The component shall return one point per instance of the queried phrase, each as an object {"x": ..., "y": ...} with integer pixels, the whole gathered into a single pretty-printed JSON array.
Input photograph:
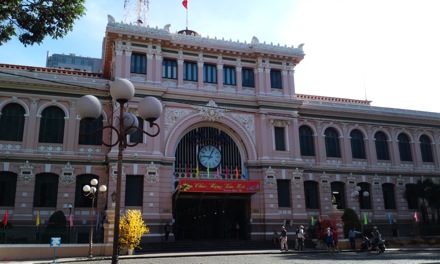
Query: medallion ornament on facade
[
  {"x": 297, "y": 178},
  {"x": 325, "y": 182},
  {"x": 67, "y": 176},
  {"x": 152, "y": 175},
  {"x": 26, "y": 172},
  {"x": 269, "y": 178},
  {"x": 211, "y": 111}
]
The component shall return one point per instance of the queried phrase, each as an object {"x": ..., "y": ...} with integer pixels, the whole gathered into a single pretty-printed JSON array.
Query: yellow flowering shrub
[{"x": 131, "y": 229}]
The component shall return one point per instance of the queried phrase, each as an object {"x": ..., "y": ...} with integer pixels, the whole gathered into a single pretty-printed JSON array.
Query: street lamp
[
  {"x": 149, "y": 108},
  {"x": 92, "y": 192},
  {"x": 358, "y": 194}
]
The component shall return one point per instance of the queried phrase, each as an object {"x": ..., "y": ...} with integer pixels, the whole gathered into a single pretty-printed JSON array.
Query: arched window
[
  {"x": 425, "y": 148},
  {"x": 404, "y": 147},
  {"x": 381, "y": 142},
  {"x": 52, "y": 125},
  {"x": 90, "y": 132},
  {"x": 389, "y": 198},
  {"x": 311, "y": 194},
  {"x": 338, "y": 192},
  {"x": 46, "y": 190},
  {"x": 364, "y": 200},
  {"x": 194, "y": 140},
  {"x": 357, "y": 144},
  {"x": 12, "y": 122},
  {"x": 8, "y": 184},
  {"x": 306, "y": 141},
  {"x": 332, "y": 143},
  {"x": 138, "y": 136},
  {"x": 411, "y": 196}
]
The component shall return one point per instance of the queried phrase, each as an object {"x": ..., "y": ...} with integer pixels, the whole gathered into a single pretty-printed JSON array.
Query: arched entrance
[{"x": 212, "y": 189}]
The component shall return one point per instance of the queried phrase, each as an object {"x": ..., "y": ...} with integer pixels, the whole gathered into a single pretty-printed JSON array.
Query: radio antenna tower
[{"x": 136, "y": 12}]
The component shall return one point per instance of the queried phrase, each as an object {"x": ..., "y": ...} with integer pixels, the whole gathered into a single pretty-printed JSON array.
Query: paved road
[{"x": 264, "y": 257}]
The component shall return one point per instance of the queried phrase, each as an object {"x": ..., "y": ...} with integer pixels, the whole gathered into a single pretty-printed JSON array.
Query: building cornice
[{"x": 150, "y": 33}]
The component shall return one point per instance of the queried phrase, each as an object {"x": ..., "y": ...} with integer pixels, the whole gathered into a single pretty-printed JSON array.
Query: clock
[{"x": 210, "y": 156}]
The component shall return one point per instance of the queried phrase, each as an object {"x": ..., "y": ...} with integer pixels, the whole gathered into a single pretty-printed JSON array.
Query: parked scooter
[{"x": 367, "y": 245}]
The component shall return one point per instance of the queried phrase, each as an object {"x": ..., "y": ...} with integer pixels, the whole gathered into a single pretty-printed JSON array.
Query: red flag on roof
[{"x": 185, "y": 3}]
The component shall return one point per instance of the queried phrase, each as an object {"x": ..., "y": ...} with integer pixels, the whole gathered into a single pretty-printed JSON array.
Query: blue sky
[{"x": 386, "y": 51}]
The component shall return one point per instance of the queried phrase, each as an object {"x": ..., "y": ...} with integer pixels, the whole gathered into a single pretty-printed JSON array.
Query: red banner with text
[{"x": 218, "y": 186}]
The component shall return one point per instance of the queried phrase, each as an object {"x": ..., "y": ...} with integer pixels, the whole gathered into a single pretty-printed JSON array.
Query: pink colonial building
[{"x": 239, "y": 152}]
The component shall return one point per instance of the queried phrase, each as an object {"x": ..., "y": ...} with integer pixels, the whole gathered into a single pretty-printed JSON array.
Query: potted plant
[{"x": 131, "y": 229}]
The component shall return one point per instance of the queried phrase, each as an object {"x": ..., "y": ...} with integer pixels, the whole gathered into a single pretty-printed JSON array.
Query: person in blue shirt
[{"x": 352, "y": 237}]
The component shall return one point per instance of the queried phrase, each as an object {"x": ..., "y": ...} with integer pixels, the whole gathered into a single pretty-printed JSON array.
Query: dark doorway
[{"x": 208, "y": 218}]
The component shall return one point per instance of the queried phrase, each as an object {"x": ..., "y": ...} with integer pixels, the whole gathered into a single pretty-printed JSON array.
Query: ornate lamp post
[
  {"x": 358, "y": 194},
  {"x": 149, "y": 108},
  {"x": 92, "y": 192}
]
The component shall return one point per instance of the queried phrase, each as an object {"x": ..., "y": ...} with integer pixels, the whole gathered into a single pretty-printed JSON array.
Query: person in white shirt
[{"x": 301, "y": 237}]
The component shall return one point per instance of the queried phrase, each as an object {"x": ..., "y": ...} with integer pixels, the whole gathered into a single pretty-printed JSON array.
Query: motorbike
[{"x": 367, "y": 245}]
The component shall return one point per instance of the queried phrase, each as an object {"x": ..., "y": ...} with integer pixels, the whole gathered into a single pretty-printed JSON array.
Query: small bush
[
  {"x": 350, "y": 219},
  {"x": 131, "y": 229}
]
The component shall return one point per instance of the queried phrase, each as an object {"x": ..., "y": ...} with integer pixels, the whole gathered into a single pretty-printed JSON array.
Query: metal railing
[{"x": 42, "y": 235}]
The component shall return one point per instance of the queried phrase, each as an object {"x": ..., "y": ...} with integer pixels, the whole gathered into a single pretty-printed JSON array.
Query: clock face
[{"x": 210, "y": 156}]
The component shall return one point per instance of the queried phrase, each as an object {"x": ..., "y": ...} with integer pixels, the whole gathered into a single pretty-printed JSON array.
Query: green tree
[
  {"x": 33, "y": 20},
  {"x": 56, "y": 226},
  {"x": 428, "y": 193},
  {"x": 350, "y": 219}
]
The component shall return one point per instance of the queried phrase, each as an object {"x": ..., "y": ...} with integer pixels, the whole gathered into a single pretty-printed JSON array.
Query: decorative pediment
[
  {"x": 269, "y": 178},
  {"x": 211, "y": 111},
  {"x": 297, "y": 178},
  {"x": 325, "y": 182},
  {"x": 114, "y": 173},
  {"x": 67, "y": 175},
  {"x": 26, "y": 172},
  {"x": 152, "y": 175}
]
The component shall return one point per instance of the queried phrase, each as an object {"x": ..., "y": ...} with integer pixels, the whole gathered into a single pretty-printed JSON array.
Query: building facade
[
  {"x": 74, "y": 62},
  {"x": 239, "y": 152}
]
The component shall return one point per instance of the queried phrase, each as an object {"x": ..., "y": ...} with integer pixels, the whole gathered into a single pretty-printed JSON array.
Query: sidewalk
[{"x": 188, "y": 254}]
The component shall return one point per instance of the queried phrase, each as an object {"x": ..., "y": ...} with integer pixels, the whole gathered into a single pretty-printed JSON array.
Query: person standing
[
  {"x": 167, "y": 229},
  {"x": 301, "y": 237},
  {"x": 284, "y": 246},
  {"x": 335, "y": 240},
  {"x": 352, "y": 237},
  {"x": 296, "y": 237},
  {"x": 329, "y": 240},
  {"x": 276, "y": 238}
]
